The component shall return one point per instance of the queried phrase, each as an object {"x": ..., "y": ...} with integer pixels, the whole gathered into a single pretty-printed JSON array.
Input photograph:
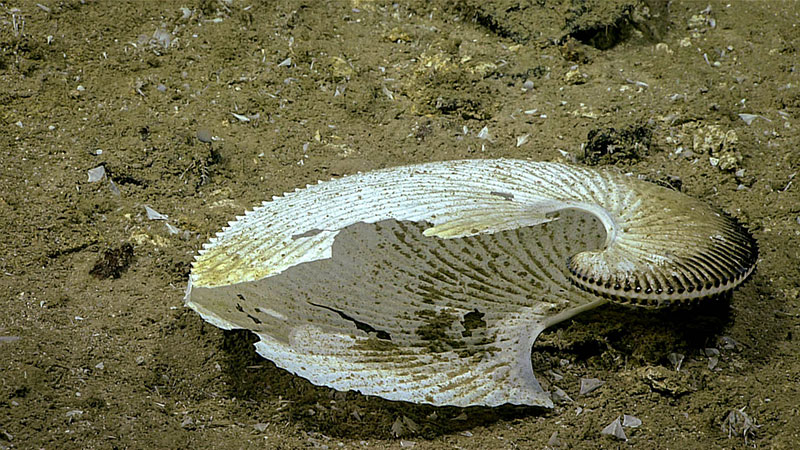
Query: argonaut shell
[{"x": 429, "y": 283}]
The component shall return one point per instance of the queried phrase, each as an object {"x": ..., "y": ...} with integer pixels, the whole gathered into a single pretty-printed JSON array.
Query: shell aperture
[{"x": 429, "y": 283}]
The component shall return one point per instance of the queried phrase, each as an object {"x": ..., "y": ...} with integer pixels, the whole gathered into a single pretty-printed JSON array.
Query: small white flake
[
  {"x": 522, "y": 139},
  {"x": 96, "y": 174},
  {"x": 113, "y": 187},
  {"x": 285, "y": 63},
  {"x": 241, "y": 118},
  {"x": 749, "y": 118},
  {"x": 484, "y": 133},
  {"x": 152, "y": 214}
]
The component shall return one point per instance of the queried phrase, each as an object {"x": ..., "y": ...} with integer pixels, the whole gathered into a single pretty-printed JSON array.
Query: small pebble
[
  {"x": 728, "y": 343},
  {"x": 204, "y": 135},
  {"x": 187, "y": 422},
  {"x": 527, "y": 85}
]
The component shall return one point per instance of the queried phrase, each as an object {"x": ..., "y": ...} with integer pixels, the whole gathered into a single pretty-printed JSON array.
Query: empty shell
[{"x": 430, "y": 283}]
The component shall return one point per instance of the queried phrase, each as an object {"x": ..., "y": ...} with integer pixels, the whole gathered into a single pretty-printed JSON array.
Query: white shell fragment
[
  {"x": 152, "y": 214},
  {"x": 631, "y": 421},
  {"x": 589, "y": 385},
  {"x": 676, "y": 359},
  {"x": 96, "y": 174},
  {"x": 615, "y": 429},
  {"x": 430, "y": 283}
]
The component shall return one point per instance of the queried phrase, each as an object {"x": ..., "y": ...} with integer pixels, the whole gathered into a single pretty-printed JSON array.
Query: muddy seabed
[{"x": 202, "y": 109}]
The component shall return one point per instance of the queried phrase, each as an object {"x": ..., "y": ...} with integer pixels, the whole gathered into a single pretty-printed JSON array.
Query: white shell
[{"x": 430, "y": 283}]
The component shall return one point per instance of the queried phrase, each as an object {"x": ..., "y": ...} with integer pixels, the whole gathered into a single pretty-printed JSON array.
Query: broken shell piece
[
  {"x": 421, "y": 284},
  {"x": 96, "y": 174},
  {"x": 589, "y": 385},
  {"x": 749, "y": 118},
  {"x": 554, "y": 441},
  {"x": 615, "y": 429},
  {"x": 152, "y": 214},
  {"x": 559, "y": 396},
  {"x": 631, "y": 421},
  {"x": 676, "y": 359}
]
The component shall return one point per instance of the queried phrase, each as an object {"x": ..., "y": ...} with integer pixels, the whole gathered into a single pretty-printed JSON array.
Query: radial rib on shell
[{"x": 430, "y": 283}]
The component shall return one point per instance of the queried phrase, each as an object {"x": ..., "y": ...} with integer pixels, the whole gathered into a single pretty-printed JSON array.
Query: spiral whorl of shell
[{"x": 430, "y": 283}]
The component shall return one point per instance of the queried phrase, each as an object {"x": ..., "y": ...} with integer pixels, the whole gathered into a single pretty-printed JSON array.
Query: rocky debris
[
  {"x": 113, "y": 262},
  {"x": 612, "y": 146}
]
